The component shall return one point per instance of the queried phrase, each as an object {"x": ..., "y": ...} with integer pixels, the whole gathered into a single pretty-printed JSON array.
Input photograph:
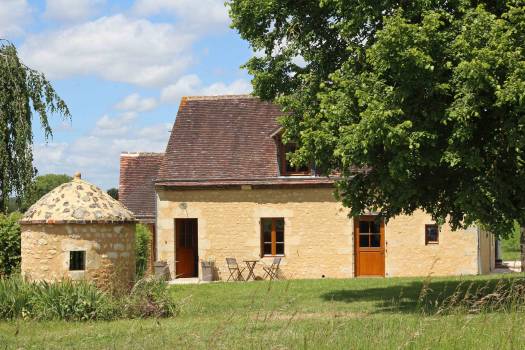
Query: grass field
[
  {"x": 306, "y": 314},
  {"x": 510, "y": 246}
]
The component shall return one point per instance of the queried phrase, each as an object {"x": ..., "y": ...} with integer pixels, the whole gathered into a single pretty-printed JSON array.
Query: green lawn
[
  {"x": 511, "y": 255},
  {"x": 308, "y": 314},
  {"x": 510, "y": 246}
]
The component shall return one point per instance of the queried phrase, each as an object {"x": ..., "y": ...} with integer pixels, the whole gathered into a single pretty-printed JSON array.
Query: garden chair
[
  {"x": 235, "y": 270},
  {"x": 272, "y": 271}
]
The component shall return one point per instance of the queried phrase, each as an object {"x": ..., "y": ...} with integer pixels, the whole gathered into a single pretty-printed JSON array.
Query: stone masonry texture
[
  {"x": 78, "y": 216},
  {"x": 77, "y": 201},
  {"x": 319, "y": 239},
  {"x": 110, "y": 257}
]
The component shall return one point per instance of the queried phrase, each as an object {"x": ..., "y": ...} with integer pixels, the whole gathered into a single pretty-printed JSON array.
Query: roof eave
[
  {"x": 278, "y": 182},
  {"x": 82, "y": 222}
]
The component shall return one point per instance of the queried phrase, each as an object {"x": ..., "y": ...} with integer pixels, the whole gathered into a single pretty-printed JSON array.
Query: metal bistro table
[{"x": 250, "y": 264}]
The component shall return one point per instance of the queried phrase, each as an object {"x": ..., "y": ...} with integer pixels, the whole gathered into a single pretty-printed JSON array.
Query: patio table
[{"x": 250, "y": 264}]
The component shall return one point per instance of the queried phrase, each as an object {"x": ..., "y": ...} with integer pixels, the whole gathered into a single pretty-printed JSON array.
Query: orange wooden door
[
  {"x": 369, "y": 236},
  {"x": 186, "y": 252}
]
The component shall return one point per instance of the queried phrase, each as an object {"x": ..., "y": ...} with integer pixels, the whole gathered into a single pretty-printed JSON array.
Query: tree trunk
[{"x": 522, "y": 247}]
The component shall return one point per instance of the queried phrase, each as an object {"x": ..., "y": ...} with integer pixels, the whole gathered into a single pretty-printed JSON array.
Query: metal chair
[
  {"x": 235, "y": 270},
  {"x": 272, "y": 271}
]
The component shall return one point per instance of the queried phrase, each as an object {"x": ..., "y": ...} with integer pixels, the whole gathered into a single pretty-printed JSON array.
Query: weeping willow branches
[{"x": 24, "y": 92}]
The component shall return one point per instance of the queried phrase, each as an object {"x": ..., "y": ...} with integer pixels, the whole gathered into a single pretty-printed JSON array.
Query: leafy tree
[
  {"x": 417, "y": 104},
  {"x": 12, "y": 205},
  {"x": 113, "y": 192},
  {"x": 23, "y": 91},
  {"x": 10, "y": 237},
  {"x": 41, "y": 185},
  {"x": 142, "y": 247}
]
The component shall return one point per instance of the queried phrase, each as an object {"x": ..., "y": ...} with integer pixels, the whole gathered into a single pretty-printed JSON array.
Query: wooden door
[
  {"x": 186, "y": 248},
  {"x": 369, "y": 234}
]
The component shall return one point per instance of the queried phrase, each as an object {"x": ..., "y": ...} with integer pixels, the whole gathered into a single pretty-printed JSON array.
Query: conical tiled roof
[{"x": 77, "y": 201}]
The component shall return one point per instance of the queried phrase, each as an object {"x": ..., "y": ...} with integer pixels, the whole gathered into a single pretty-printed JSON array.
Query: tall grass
[
  {"x": 81, "y": 301},
  {"x": 503, "y": 295},
  {"x": 15, "y": 298},
  {"x": 69, "y": 300}
]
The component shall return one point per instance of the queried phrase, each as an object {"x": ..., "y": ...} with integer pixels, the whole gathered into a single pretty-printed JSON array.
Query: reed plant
[
  {"x": 15, "y": 297},
  {"x": 81, "y": 301}
]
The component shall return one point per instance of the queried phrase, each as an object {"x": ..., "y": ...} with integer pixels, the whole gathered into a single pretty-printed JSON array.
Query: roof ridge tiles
[
  {"x": 131, "y": 154},
  {"x": 219, "y": 97}
]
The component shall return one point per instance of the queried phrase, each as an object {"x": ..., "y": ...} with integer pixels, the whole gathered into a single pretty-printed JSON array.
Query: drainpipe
[
  {"x": 499, "y": 260},
  {"x": 156, "y": 257},
  {"x": 479, "y": 251}
]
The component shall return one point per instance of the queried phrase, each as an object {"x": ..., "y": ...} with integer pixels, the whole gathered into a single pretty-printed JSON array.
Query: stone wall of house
[
  {"x": 318, "y": 233},
  {"x": 110, "y": 254},
  {"x": 407, "y": 255}
]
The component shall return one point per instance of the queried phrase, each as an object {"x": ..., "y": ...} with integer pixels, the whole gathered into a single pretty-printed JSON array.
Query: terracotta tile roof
[
  {"x": 136, "y": 186},
  {"x": 222, "y": 137}
]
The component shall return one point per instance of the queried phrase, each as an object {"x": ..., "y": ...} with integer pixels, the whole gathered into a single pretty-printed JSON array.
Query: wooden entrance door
[
  {"x": 186, "y": 248},
  {"x": 369, "y": 233}
]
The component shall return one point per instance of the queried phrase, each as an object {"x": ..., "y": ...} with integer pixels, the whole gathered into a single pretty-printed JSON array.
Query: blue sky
[{"x": 122, "y": 67}]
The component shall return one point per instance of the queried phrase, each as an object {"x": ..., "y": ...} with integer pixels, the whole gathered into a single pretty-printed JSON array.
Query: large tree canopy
[
  {"x": 22, "y": 92},
  {"x": 418, "y": 104},
  {"x": 42, "y": 185}
]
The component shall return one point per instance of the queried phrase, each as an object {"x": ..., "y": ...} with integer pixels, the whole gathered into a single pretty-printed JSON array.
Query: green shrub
[
  {"x": 74, "y": 301},
  {"x": 82, "y": 301},
  {"x": 15, "y": 297},
  {"x": 150, "y": 297},
  {"x": 142, "y": 244},
  {"x": 9, "y": 243}
]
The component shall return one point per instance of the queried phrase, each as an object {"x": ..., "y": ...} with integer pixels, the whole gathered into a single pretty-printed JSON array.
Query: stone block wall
[
  {"x": 110, "y": 252},
  {"x": 318, "y": 233},
  {"x": 407, "y": 255}
]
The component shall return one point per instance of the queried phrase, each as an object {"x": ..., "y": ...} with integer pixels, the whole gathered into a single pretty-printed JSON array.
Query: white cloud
[
  {"x": 192, "y": 85},
  {"x": 107, "y": 126},
  {"x": 136, "y": 103},
  {"x": 200, "y": 15},
  {"x": 155, "y": 132},
  {"x": 49, "y": 153},
  {"x": 14, "y": 14},
  {"x": 72, "y": 10},
  {"x": 186, "y": 85},
  {"x": 96, "y": 154},
  {"x": 115, "y": 48},
  {"x": 237, "y": 87}
]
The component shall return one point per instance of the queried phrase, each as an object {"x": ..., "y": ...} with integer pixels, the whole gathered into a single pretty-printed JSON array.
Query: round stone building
[{"x": 78, "y": 231}]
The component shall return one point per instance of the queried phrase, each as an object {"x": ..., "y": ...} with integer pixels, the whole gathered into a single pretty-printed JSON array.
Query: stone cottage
[
  {"x": 78, "y": 231},
  {"x": 224, "y": 188}
]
